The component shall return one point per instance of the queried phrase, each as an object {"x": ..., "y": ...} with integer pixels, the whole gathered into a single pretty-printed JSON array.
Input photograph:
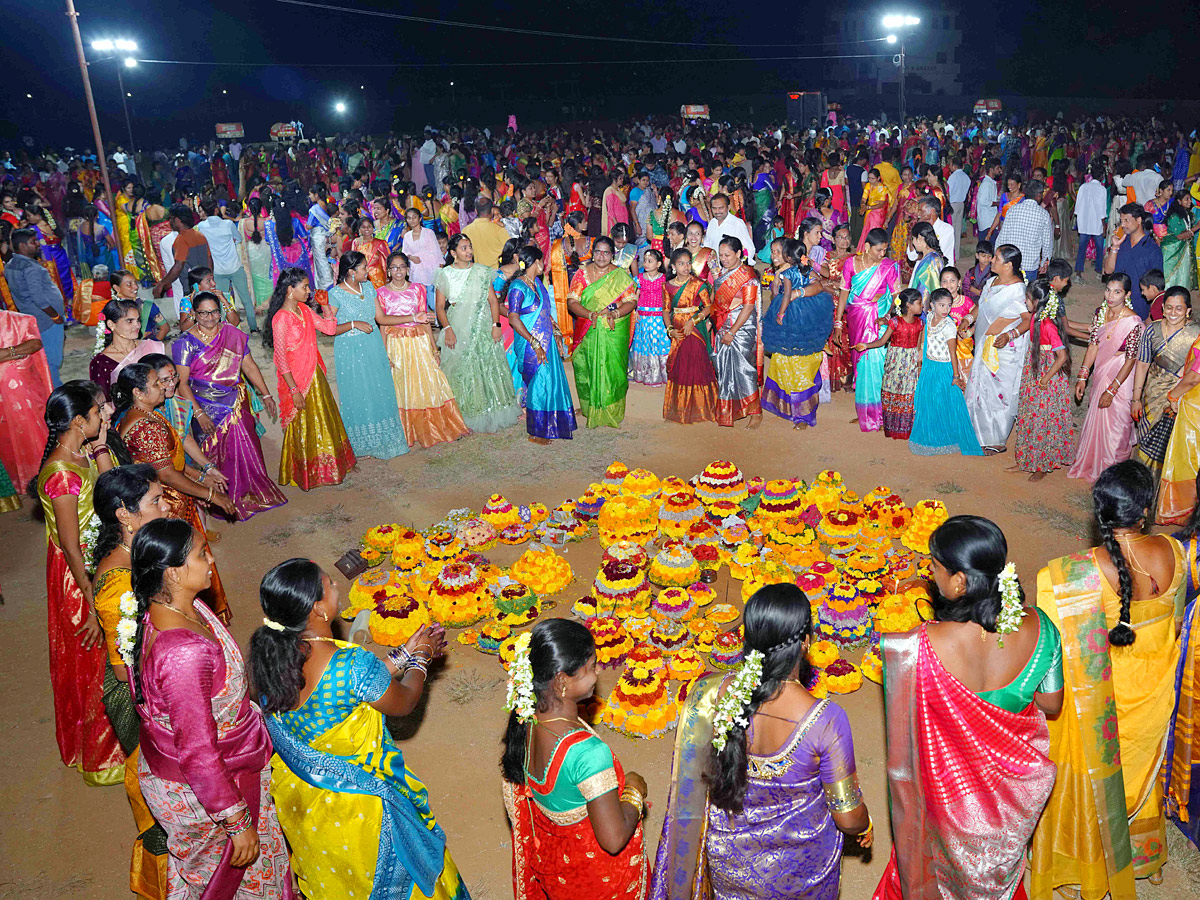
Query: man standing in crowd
[
  {"x": 929, "y": 209},
  {"x": 987, "y": 198},
  {"x": 36, "y": 294},
  {"x": 189, "y": 250},
  {"x": 1028, "y": 227},
  {"x": 724, "y": 225},
  {"x": 223, "y": 237},
  {"x": 958, "y": 185},
  {"x": 487, "y": 238},
  {"x": 856, "y": 177},
  {"x": 1136, "y": 255},
  {"x": 1091, "y": 210}
]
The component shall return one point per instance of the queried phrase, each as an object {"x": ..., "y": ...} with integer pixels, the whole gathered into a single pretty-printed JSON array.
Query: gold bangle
[{"x": 634, "y": 798}]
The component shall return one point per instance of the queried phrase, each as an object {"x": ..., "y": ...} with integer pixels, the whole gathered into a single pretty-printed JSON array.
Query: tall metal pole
[
  {"x": 87, "y": 92},
  {"x": 128, "y": 124},
  {"x": 902, "y": 83}
]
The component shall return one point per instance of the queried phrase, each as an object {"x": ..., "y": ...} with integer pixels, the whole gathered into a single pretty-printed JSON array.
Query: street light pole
[
  {"x": 899, "y": 24},
  {"x": 125, "y": 106},
  {"x": 902, "y": 119},
  {"x": 87, "y": 92}
]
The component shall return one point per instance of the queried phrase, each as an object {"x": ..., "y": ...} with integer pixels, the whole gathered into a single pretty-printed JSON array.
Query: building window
[{"x": 941, "y": 58}]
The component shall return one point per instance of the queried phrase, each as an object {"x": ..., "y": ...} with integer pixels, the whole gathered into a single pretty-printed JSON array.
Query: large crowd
[{"x": 467, "y": 278}]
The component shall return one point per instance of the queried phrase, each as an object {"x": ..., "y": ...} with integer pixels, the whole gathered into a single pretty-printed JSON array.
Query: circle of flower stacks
[
  {"x": 520, "y": 698},
  {"x": 127, "y": 627},
  {"x": 731, "y": 708}
]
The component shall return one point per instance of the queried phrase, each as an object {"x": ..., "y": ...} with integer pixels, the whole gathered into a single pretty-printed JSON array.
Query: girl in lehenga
[
  {"x": 868, "y": 281},
  {"x": 602, "y": 297},
  {"x": 737, "y": 341},
  {"x": 651, "y": 346},
  {"x": 428, "y": 410},
  {"x": 472, "y": 341},
  {"x": 1163, "y": 355},
  {"x": 691, "y": 394},
  {"x": 127, "y": 497},
  {"x": 759, "y": 811},
  {"x": 150, "y": 439},
  {"x": 75, "y": 455},
  {"x": 316, "y": 450},
  {"x": 1118, "y": 608},
  {"x": 205, "y": 753},
  {"x": 336, "y": 768},
  {"x": 968, "y": 771},
  {"x": 576, "y": 815},
  {"x": 537, "y": 343},
  {"x": 1044, "y": 437}
]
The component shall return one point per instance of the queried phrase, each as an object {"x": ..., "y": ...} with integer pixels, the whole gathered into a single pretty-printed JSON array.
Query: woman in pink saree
[
  {"x": 967, "y": 740},
  {"x": 868, "y": 282},
  {"x": 205, "y": 765},
  {"x": 213, "y": 363},
  {"x": 24, "y": 389}
]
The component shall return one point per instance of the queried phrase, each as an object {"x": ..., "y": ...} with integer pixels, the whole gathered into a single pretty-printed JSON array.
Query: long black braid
[{"x": 1121, "y": 498}]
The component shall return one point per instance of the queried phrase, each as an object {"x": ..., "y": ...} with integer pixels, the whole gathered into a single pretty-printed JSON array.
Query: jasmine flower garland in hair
[
  {"x": 1011, "y": 609},
  {"x": 101, "y": 331},
  {"x": 127, "y": 627},
  {"x": 88, "y": 536},
  {"x": 520, "y": 697},
  {"x": 731, "y": 708}
]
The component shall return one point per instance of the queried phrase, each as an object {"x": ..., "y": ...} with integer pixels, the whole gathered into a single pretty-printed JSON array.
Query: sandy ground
[{"x": 61, "y": 839}]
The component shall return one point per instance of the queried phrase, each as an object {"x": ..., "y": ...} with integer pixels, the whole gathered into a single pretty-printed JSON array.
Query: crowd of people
[{"x": 742, "y": 271}]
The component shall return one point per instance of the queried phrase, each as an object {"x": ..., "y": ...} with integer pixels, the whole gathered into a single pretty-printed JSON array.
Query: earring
[
  {"x": 562, "y": 692},
  {"x": 324, "y": 618}
]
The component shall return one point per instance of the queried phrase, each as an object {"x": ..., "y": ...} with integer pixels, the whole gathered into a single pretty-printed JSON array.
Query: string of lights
[{"x": 493, "y": 65}]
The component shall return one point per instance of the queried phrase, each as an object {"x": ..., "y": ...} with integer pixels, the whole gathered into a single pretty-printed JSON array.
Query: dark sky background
[{"x": 303, "y": 60}]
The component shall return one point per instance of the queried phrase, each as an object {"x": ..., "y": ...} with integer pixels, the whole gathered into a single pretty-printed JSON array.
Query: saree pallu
[
  {"x": 739, "y": 362},
  {"x": 691, "y": 394},
  {"x": 337, "y": 772},
  {"x": 1166, "y": 360},
  {"x": 927, "y": 275},
  {"x": 1107, "y": 436},
  {"x": 1177, "y": 488},
  {"x": 1179, "y": 257},
  {"x": 149, "y": 234},
  {"x": 870, "y": 299},
  {"x": 25, "y": 387},
  {"x": 1181, "y": 767},
  {"x": 1104, "y": 825},
  {"x": 967, "y": 781},
  {"x": 316, "y": 450},
  {"x": 559, "y": 274},
  {"x": 148, "y": 862},
  {"x": 152, "y": 440},
  {"x": 128, "y": 247},
  {"x": 215, "y": 379},
  {"x": 258, "y": 258},
  {"x": 294, "y": 255},
  {"x": 86, "y": 740},
  {"x": 58, "y": 261},
  {"x": 898, "y": 248},
  {"x": 565, "y": 862},
  {"x": 549, "y": 409},
  {"x": 601, "y": 358},
  {"x": 376, "y": 252}
]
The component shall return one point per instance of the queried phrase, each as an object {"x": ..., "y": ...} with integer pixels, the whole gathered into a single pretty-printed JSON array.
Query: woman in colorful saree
[
  {"x": 1179, "y": 242},
  {"x": 129, "y": 245},
  {"x": 874, "y": 209},
  {"x": 906, "y": 216},
  {"x": 691, "y": 394},
  {"x": 1118, "y": 607},
  {"x": 549, "y": 409},
  {"x": 258, "y": 252},
  {"x": 968, "y": 771},
  {"x": 288, "y": 249},
  {"x": 122, "y": 343},
  {"x": 927, "y": 273},
  {"x": 205, "y": 752},
  {"x": 567, "y": 255},
  {"x": 602, "y": 297},
  {"x": 472, "y": 345},
  {"x": 75, "y": 455},
  {"x": 24, "y": 388},
  {"x": 154, "y": 324},
  {"x": 868, "y": 282},
  {"x": 316, "y": 450},
  {"x": 150, "y": 439},
  {"x": 336, "y": 769},
  {"x": 213, "y": 363},
  {"x": 993, "y": 388},
  {"x": 1181, "y": 462},
  {"x": 759, "y": 810},
  {"x": 127, "y": 497},
  {"x": 576, "y": 814},
  {"x": 704, "y": 259},
  {"x": 737, "y": 340}
]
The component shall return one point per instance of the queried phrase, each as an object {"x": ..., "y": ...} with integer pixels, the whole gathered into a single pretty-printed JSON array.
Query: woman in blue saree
[
  {"x": 549, "y": 409},
  {"x": 357, "y": 819}
]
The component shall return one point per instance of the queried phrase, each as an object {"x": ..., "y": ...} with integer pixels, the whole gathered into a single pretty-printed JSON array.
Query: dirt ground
[{"x": 61, "y": 839}]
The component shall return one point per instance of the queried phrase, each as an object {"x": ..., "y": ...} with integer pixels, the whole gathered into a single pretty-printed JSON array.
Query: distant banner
[
  {"x": 230, "y": 130},
  {"x": 988, "y": 106},
  {"x": 694, "y": 111},
  {"x": 283, "y": 131}
]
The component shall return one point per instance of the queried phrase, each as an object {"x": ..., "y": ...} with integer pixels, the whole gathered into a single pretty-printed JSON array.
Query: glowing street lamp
[
  {"x": 121, "y": 45},
  {"x": 339, "y": 107},
  {"x": 896, "y": 22}
]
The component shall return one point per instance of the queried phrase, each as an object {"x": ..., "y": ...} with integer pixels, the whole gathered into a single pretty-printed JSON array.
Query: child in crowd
[
  {"x": 651, "y": 346},
  {"x": 941, "y": 423},
  {"x": 1153, "y": 284},
  {"x": 961, "y": 308},
  {"x": 1045, "y": 430},
  {"x": 902, "y": 337},
  {"x": 978, "y": 275},
  {"x": 508, "y": 218},
  {"x": 762, "y": 259},
  {"x": 625, "y": 254}
]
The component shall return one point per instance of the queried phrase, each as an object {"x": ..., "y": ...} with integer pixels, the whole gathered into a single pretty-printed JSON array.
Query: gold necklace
[
  {"x": 176, "y": 609},
  {"x": 69, "y": 450},
  {"x": 125, "y": 547},
  {"x": 317, "y": 637},
  {"x": 543, "y": 722}
]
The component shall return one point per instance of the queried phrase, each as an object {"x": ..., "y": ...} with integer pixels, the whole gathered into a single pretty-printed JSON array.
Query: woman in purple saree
[
  {"x": 213, "y": 361},
  {"x": 759, "y": 812}
]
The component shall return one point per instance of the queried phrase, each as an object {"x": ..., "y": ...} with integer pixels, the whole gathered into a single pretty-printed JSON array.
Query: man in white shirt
[
  {"x": 1091, "y": 209},
  {"x": 929, "y": 209},
  {"x": 1144, "y": 182},
  {"x": 988, "y": 199},
  {"x": 425, "y": 157},
  {"x": 166, "y": 249},
  {"x": 724, "y": 225},
  {"x": 235, "y": 150},
  {"x": 958, "y": 185},
  {"x": 223, "y": 237}
]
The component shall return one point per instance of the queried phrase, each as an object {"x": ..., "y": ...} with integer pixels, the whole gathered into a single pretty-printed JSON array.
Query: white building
[{"x": 933, "y": 49}]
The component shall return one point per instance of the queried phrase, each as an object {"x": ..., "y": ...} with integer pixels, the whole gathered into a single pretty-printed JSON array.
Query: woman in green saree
[
  {"x": 601, "y": 298},
  {"x": 1179, "y": 256}
]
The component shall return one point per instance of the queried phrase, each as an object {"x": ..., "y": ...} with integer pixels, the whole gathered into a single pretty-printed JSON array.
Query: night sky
[{"x": 304, "y": 60}]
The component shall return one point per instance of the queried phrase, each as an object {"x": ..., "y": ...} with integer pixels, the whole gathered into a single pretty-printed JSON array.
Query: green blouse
[
  {"x": 1043, "y": 674},
  {"x": 586, "y": 772}
]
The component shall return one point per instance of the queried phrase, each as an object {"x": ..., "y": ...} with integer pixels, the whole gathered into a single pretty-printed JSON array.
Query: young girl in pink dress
[{"x": 651, "y": 346}]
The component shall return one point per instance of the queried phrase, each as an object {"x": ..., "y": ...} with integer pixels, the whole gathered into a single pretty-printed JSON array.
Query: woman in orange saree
[
  {"x": 737, "y": 341},
  {"x": 151, "y": 439},
  {"x": 567, "y": 256},
  {"x": 375, "y": 250},
  {"x": 576, "y": 815},
  {"x": 24, "y": 388},
  {"x": 874, "y": 206},
  {"x": 906, "y": 217}
]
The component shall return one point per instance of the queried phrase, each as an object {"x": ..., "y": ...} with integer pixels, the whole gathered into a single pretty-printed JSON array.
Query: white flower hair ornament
[
  {"x": 101, "y": 331},
  {"x": 1012, "y": 611},
  {"x": 127, "y": 627},
  {"x": 731, "y": 708},
  {"x": 521, "y": 699}
]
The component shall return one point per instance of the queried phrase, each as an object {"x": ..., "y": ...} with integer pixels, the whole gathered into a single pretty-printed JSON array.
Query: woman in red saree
[
  {"x": 24, "y": 388},
  {"x": 788, "y": 200},
  {"x": 967, "y": 742},
  {"x": 576, "y": 815},
  {"x": 375, "y": 250}
]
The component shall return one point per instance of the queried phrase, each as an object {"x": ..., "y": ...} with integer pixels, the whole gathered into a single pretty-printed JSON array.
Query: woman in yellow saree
[
  {"x": 1181, "y": 462},
  {"x": 1117, "y": 608},
  {"x": 356, "y": 818}
]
